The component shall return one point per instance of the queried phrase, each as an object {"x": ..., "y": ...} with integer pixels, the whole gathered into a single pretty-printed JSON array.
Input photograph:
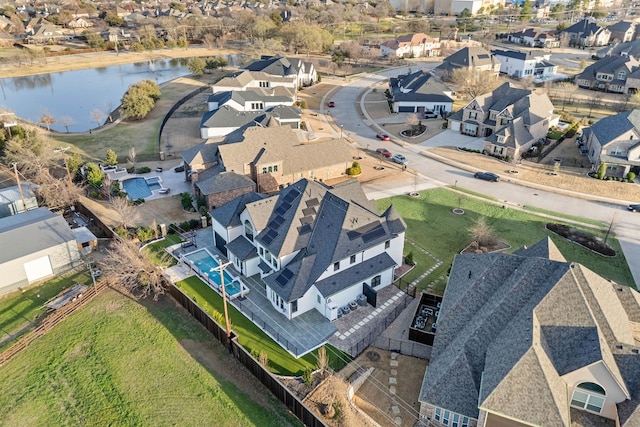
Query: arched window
[
  {"x": 622, "y": 75},
  {"x": 248, "y": 230},
  {"x": 589, "y": 396}
]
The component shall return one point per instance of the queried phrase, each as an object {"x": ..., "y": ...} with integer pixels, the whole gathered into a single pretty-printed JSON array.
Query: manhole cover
[{"x": 373, "y": 356}]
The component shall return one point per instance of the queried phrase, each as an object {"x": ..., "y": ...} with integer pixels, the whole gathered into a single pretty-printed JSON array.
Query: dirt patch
[
  {"x": 582, "y": 238},
  {"x": 330, "y": 401},
  {"x": 474, "y": 248},
  {"x": 375, "y": 396},
  {"x": 313, "y": 95},
  {"x": 572, "y": 179}
]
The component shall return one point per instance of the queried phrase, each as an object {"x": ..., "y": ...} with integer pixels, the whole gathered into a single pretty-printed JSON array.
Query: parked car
[
  {"x": 430, "y": 115},
  {"x": 384, "y": 152},
  {"x": 383, "y": 136},
  {"x": 331, "y": 104},
  {"x": 487, "y": 176},
  {"x": 399, "y": 158},
  {"x": 179, "y": 168},
  {"x": 634, "y": 207},
  {"x": 96, "y": 273}
]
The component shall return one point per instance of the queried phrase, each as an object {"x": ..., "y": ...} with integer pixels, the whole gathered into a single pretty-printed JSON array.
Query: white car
[
  {"x": 399, "y": 158},
  {"x": 96, "y": 273}
]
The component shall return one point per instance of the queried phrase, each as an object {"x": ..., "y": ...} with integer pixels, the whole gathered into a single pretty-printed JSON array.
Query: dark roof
[
  {"x": 418, "y": 86},
  {"x": 610, "y": 128},
  {"x": 610, "y": 65},
  {"x": 223, "y": 182},
  {"x": 621, "y": 26},
  {"x": 584, "y": 28},
  {"x": 275, "y": 65},
  {"x": 467, "y": 57},
  {"x": 204, "y": 152},
  {"x": 242, "y": 248},
  {"x": 358, "y": 273},
  {"x": 228, "y": 215}
]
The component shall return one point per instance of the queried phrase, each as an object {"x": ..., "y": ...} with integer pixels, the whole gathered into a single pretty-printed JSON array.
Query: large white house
[
  {"x": 529, "y": 64},
  {"x": 314, "y": 246}
]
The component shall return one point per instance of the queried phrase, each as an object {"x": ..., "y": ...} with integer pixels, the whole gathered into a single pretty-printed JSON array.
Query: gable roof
[
  {"x": 515, "y": 135},
  {"x": 585, "y": 28},
  {"x": 228, "y": 215},
  {"x": 276, "y": 65},
  {"x": 610, "y": 128},
  {"x": 419, "y": 86},
  {"x": 320, "y": 225},
  {"x": 524, "y": 103},
  {"x": 468, "y": 57},
  {"x": 610, "y": 65},
  {"x": 510, "y": 325}
]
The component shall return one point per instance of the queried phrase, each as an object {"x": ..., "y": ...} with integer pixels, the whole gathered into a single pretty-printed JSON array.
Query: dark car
[
  {"x": 634, "y": 208},
  {"x": 384, "y": 152},
  {"x": 331, "y": 104},
  {"x": 383, "y": 136},
  {"x": 487, "y": 176},
  {"x": 430, "y": 115}
]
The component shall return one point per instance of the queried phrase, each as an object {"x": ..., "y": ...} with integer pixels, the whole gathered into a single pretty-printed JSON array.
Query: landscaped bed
[{"x": 582, "y": 238}]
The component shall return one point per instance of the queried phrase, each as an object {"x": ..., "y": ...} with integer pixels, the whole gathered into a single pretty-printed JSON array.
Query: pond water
[{"x": 75, "y": 94}]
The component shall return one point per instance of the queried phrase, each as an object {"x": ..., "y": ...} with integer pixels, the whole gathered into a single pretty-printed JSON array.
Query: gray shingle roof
[
  {"x": 310, "y": 218},
  {"x": 228, "y": 215},
  {"x": 515, "y": 135},
  {"x": 610, "y": 65},
  {"x": 30, "y": 232},
  {"x": 610, "y": 128},
  {"x": 545, "y": 248},
  {"x": 418, "y": 86},
  {"x": 223, "y": 182},
  {"x": 276, "y": 65},
  {"x": 467, "y": 57},
  {"x": 510, "y": 326},
  {"x": 205, "y": 152},
  {"x": 242, "y": 248}
]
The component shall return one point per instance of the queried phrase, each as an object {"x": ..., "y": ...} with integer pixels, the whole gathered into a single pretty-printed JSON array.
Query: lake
[{"x": 76, "y": 94}]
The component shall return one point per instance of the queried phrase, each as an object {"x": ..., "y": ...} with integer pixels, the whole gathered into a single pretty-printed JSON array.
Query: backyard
[
  {"x": 122, "y": 362},
  {"x": 432, "y": 226}
]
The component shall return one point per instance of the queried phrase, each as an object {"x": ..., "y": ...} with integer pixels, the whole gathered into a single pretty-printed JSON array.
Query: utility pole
[
  {"x": 221, "y": 268},
  {"x": 15, "y": 170}
]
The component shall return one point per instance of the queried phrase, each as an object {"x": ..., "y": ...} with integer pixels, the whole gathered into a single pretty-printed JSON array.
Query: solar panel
[
  {"x": 272, "y": 233},
  {"x": 304, "y": 229},
  {"x": 373, "y": 234},
  {"x": 281, "y": 280},
  {"x": 281, "y": 210},
  {"x": 286, "y": 206},
  {"x": 353, "y": 235},
  {"x": 291, "y": 195},
  {"x": 267, "y": 240},
  {"x": 276, "y": 222},
  {"x": 288, "y": 274}
]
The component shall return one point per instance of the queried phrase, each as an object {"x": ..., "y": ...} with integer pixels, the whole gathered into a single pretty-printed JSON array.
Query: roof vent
[
  {"x": 634, "y": 350},
  {"x": 619, "y": 347}
]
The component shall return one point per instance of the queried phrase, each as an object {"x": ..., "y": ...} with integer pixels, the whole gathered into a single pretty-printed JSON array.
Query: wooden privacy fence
[
  {"x": 279, "y": 390},
  {"x": 50, "y": 321}
]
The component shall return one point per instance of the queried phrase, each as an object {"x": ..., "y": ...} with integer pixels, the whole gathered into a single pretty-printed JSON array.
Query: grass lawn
[
  {"x": 119, "y": 362},
  {"x": 432, "y": 226},
  {"x": 156, "y": 250},
  {"x": 253, "y": 338},
  {"x": 18, "y": 309}
]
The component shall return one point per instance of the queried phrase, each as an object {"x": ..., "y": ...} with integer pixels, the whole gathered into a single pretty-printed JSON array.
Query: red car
[
  {"x": 384, "y": 152},
  {"x": 331, "y": 104},
  {"x": 383, "y": 136}
]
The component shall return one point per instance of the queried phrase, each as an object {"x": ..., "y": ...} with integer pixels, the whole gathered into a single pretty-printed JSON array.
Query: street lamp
[{"x": 341, "y": 131}]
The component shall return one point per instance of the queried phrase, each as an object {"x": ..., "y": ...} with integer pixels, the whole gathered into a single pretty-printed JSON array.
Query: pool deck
[
  {"x": 170, "y": 179},
  {"x": 307, "y": 331}
]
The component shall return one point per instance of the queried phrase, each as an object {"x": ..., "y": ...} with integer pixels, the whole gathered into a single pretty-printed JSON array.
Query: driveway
[{"x": 451, "y": 138}]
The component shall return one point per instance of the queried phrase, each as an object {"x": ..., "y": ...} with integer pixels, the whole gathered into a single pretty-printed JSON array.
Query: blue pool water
[
  {"x": 141, "y": 188},
  {"x": 208, "y": 265}
]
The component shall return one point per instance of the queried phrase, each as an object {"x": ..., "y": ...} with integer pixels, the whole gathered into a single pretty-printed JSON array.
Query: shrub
[
  {"x": 131, "y": 169},
  {"x": 631, "y": 176},
  {"x": 354, "y": 169},
  {"x": 186, "y": 200},
  {"x": 144, "y": 169},
  {"x": 602, "y": 170},
  {"x": 408, "y": 259},
  {"x": 303, "y": 104},
  {"x": 319, "y": 77},
  {"x": 193, "y": 224},
  {"x": 307, "y": 376},
  {"x": 144, "y": 233}
]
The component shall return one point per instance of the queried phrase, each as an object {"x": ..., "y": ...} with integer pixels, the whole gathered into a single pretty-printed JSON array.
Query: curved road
[{"x": 347, "y": 115}]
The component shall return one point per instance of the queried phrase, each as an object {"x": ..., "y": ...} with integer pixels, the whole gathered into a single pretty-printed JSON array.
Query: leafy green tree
[
  {"x": 74, "y": 163},
  {"x": 112, "y": 158},
  {"x": 95, "y": 41},
  {"x": 338, "y": 56},
  {"x": 93, "y": 175},
  {"x": 150, "y": 87},
  {"x": 136, "y": 103},
  {"x": 196, "y": 66},
  {"x": 112, "y": 18},
  {"x": 525, "y": 10}
]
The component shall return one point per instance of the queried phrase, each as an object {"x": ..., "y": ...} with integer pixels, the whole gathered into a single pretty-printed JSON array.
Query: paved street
[{"x": 351, "y": 115}]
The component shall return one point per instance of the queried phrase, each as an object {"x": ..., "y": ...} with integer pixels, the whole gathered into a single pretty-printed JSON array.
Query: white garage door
[
  {"x": 38, "y": 268},
  {"x": 455, "y": 125}
]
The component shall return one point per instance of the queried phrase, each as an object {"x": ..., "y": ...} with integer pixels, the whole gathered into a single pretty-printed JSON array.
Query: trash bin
[
  {"x": 162, "y": 155},
  {"x": 361, "y": 300}
]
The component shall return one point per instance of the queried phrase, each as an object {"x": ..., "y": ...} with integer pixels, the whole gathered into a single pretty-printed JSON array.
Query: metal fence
[
  {"x": 377, "y": 330},
  {"x": 175, "y": 107},
  {"x": 279, "y": 390}
]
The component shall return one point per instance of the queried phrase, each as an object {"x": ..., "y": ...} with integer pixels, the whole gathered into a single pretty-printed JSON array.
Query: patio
[{"x": 308, "y": 331}]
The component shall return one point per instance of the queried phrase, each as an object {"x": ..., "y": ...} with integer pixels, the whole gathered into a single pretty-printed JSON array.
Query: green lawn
[
  {"x": 253, "y": 338},
  {"x": 432, "y": 226},
  {"x": 155, "y": 251},
  {"x": 18, "y": 309},
  {"x": 122, "y": 363}
]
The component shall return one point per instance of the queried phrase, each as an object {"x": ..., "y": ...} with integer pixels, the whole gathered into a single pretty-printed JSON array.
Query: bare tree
[
  {"x": 124, "y": 266},
  {"x": 482, "y": 234},
  {"x": 412, "y": 121},
  {"x": 47, "y": 119},
  {"x": 132, "y": 156},
  {"x": 97, "y": 115},
  {"x": 209, "y": 40},
  {"x": 473, "y": 82},
  {"x": 108, "y": 109},
  {"x": 66, "y": 121},
  {"x": 593, "y": 100},
  {"x": 127, "y": 213}
]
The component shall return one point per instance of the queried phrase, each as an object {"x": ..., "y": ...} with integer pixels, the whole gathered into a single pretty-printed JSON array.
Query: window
[
  {"x": 498, "y": 150},
  {"x": 456, "y": 420},
  {"x": 492, "y": 115},
  {"x": 500, "y": 140},
  {"x": 445, "y": 418},
  {"x": 294, "y": 306},
  {"x": 264, "y": 170},
  {"x": 274, "y": 262},
  {"x": 353, "y": 259},
  {"x": 622, "y": 75},
  {"x": 616, "y": 151},
  {"x": 261, "y": 251},
  {"x": 589, "y": 396},
  {"x": 248, "y": 230},
  {"x": 270, "y": 169},
  {"x": 387, "y": 244},
  {"x": 438, "y": 414},
  {"x": 465, "y": 422},
  {"x": 318, "y": 298},
  {"x": 275, "y": 168},
  {"x": 473, "y": 115},
  {"x": 336, "y": 266},
  {"x": 376, "y": 281}
]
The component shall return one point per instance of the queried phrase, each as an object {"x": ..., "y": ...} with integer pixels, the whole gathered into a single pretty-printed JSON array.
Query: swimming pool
[
  {"x": 208, "y": 267},
  {"x": 140, "y": 187}
]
